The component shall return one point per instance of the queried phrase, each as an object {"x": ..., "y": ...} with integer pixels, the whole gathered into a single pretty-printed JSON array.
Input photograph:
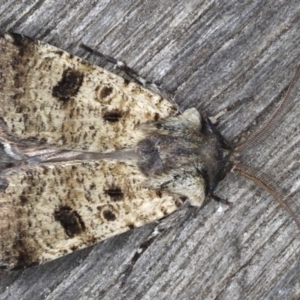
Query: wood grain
[{"x": 210, "y": 55}]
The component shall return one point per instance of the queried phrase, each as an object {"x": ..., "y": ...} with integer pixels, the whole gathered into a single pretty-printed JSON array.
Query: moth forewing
[
  {"x": 54, "y": 98},
  {"x": 49, "y": 211}
]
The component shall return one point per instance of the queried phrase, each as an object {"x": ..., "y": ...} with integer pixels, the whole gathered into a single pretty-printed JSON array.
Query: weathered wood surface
[{"x": 209, "y": 54}]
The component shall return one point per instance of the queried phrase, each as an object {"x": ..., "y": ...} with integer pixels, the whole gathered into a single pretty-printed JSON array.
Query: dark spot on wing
[
  {"x": 156, "y": 117},
  {"x": 106, "y": 91},
  {"x": 109, "y": 215},
  {"x": 130, "y": 225},
  {"x": 112, "y": 116},
  {"x": 70, "y": 220},
  {"x": 69, "y": 85},
  {"x": 115, "y": 194},
  {"x": 74, "y": 248},
  {"x": 23, "y": 199},
  {"x": 159, "y": 194},
  {"x": 92, "y": 186},
  {"x": 59, "y": 52},
  {"x": 125, "y": 82}
]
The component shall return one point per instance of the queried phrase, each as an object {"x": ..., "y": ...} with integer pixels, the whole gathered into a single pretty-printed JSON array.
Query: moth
[{"x": 86, "y": 154}]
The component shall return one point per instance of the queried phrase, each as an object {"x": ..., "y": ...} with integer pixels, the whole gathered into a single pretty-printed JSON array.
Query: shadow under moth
[{"x": 86, "y": 154}]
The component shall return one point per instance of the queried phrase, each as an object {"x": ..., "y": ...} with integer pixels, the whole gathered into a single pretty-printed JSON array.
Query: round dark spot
[
  {"x": 156, "y": 117},
  {"x": 109, "y": 215},
  {"x": 69, "y": 85},
  {"x": 70, "y": 220},
  {"x": 105, "y": 92}
]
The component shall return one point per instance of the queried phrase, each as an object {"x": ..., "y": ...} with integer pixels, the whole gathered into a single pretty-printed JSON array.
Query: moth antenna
[
  {"x": 267, "y": 129},
  {"x": 264, "y": 181}
]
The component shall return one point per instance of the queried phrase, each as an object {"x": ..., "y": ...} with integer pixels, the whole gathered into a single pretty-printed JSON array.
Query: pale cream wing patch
[
  {"x": 52, "y": 97},
  {"x": 53, "y": 209}
]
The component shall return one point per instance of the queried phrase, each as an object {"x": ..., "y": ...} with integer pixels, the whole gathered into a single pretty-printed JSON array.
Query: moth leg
[
  {"x": 214, "y": 119},
  {"x": 132, "y": 74},
  {"x": 221, "y": 200},
  {"x": 138, "y": 253},
  {"x": 162, "y": 225}
]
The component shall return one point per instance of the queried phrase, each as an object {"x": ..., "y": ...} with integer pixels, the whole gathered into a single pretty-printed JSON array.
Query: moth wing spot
[
  {"x": 159, "y": 194},
  {"x": 23, "y": 199},
  {"x": 130, "y": 225},
  {"x": 69, "y": 84},
  {"x": 106, "y": 91},
  {"x": 70, "y": 220},
  {"x": 112, "y": 116},
  {"x": 109, "y": 215},
  {"x": 59, "y": 52},
  {"x": 156, "y": 117},
  {"x": 115, "y": 193}
]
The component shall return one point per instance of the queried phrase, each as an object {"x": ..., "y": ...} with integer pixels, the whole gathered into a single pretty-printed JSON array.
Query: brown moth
[{"x": 86, "y": 155}]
